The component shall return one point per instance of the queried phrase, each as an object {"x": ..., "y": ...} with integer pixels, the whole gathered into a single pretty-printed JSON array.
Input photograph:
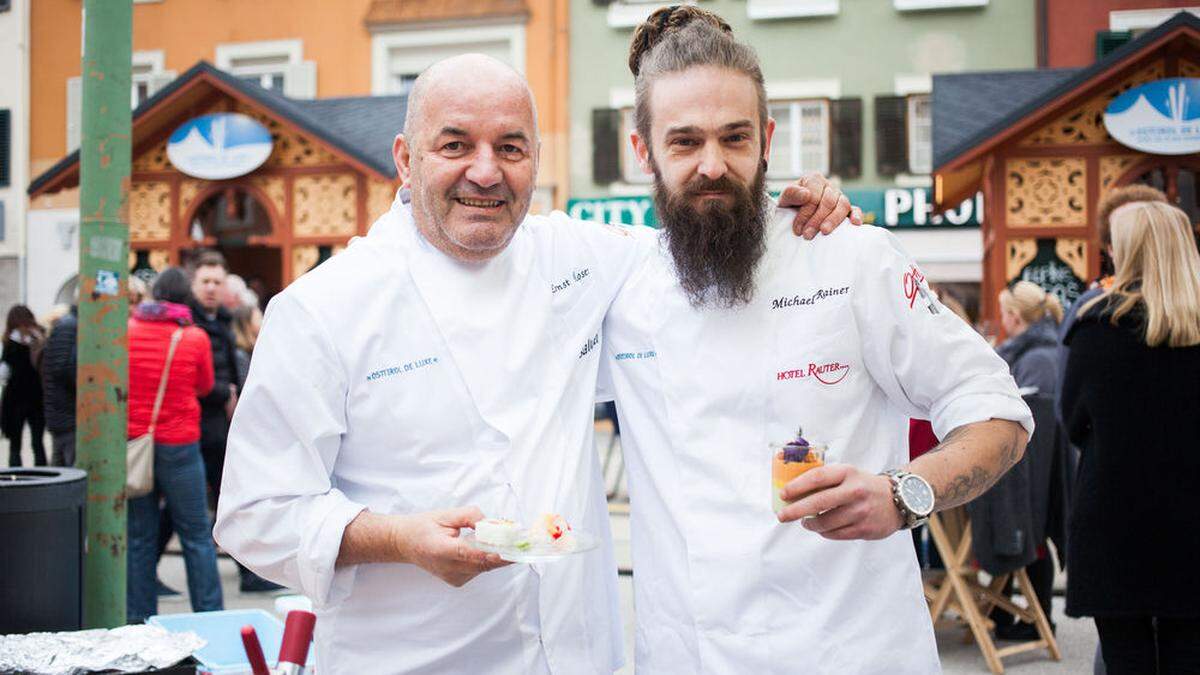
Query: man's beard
[{"x": 716, "y": 247}]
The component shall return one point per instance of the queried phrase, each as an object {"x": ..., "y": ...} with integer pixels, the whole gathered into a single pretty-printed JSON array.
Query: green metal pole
[{"x": 103, "y": 376}]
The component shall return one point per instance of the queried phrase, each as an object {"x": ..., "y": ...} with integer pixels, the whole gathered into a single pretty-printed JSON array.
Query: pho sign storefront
[{"x": 946, "y": 244}]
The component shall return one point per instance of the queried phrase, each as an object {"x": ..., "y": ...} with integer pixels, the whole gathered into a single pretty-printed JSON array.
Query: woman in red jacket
[{"x": 178, "y": 466}]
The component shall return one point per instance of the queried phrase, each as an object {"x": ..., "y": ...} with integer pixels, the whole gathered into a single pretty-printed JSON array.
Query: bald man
[{"x": 441, "y": 369}]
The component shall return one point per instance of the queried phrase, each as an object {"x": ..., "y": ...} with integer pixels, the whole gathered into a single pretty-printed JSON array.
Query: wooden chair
[{"x": 960, "y": 591}]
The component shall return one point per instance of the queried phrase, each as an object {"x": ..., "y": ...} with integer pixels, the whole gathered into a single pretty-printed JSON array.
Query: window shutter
[
  {"x": 74, "y": 113},
  {"x": 891, "y": 135},
  {"x": 1109, "y": 41},
  {"x": 845, "y": 146},
  {"x": 300, "y": 80},
  {"x": 5, "y": 149},
  {"x": 606, "y": 145}
]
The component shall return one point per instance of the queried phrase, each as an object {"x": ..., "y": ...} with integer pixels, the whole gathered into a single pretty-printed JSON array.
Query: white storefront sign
[{"x": 1160, "y": 117}]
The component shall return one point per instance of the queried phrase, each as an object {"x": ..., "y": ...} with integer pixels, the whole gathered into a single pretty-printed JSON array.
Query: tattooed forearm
[{"x": 970, "y": 459}]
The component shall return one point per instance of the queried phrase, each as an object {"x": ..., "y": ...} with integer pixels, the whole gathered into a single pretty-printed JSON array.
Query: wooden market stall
[
  {"x": 1036, "y": 144},
  {"x": 328, "y": 176}
]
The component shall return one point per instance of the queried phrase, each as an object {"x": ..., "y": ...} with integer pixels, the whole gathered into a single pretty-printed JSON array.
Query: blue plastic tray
[{"x": 223, "y": 631}]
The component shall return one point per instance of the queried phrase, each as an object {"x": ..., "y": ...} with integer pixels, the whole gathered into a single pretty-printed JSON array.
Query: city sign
[
  {"x": 1160, "y": 117},
  {"x": 219, "y": 146},
  {"x": 902, "y": 208}
]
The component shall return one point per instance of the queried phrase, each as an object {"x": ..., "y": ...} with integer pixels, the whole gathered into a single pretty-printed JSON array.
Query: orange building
[{"x": 277, "y": 61}]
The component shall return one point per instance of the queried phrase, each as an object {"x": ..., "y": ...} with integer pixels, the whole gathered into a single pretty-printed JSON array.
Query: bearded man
[{"x": 731, "y": 336}]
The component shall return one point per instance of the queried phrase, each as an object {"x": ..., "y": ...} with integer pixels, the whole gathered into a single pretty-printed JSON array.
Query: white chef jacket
[
  {"x": 843, "y": 338},
  {"x": 395, "y": 379}
]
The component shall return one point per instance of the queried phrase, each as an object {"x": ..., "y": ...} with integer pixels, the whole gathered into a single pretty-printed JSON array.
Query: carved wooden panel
[
  {"x": 1046, "y": 191},
  {"x": 276, "y": 190},
  {"x": 325, "y": 205},
  {"x": 153, "y": 159},
  {"x": 303, "y": 259},
  {"x": 291, "y": 148},
  {"x": 1074, "y": 253},
  {"x": 380, "y": 195},
  {"x": 1018, "y": 253},
  {"x": 188, "y": 190},
  {"x": 1111, "y": 169},
  {"x": 160, "y": 259},
  {"x": 1189, "y": 69},
  {"x": 150, "y": 211},
  {"x": 1085, "y": 123}
]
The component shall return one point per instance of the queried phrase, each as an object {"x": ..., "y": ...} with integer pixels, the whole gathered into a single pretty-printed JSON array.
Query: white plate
[{"x": 549, "y": 552}]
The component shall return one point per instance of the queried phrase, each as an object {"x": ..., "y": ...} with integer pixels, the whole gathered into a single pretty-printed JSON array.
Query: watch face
[{"x": 917, "y": 496}]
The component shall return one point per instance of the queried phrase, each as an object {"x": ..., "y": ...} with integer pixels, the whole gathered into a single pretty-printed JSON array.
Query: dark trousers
[
  {"x": 179, "y": 478},
  {"x": 37, "y": 426},
  {"x": 1148, "y": 645},
  {"x": 62, "y": 449}
]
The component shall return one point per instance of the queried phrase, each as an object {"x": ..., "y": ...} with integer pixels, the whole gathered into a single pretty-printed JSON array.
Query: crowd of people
[
  {"x": 485, "y": 370},
  {"x": 1120, "y": 365},
  {"x": 213, "y": 319}
]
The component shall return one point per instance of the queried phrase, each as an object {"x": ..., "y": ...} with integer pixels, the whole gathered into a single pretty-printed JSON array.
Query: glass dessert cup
[{"x": 786, "y": 466}]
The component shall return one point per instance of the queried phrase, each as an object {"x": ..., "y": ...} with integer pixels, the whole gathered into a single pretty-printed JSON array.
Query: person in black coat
[
  {"x": 209, "y": 273},
  {"x": 1030, "y": 317},
  {"x": 59, "y": 359},
  {"x": 1129, "y": 401},
  {"x": 21, "y": 402}
]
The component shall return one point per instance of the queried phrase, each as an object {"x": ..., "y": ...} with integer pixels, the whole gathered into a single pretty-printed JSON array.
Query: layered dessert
[
  {"x": 550, "y": 529},
  {"x": 497, "y": 531},
  {"x": 791, "y": 460}
]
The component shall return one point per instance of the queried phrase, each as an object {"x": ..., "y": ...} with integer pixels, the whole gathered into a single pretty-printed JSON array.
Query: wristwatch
[{"x": 912, "y": 495}]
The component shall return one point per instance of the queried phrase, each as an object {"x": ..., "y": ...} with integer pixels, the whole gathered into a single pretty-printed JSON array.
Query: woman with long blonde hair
[{"x": 1130, "y": 402}]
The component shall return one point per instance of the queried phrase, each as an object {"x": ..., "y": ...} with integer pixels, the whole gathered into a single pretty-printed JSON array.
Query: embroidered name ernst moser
[
  {"x": 576, "y": 277},
  {"x": 825, "y": 373}
]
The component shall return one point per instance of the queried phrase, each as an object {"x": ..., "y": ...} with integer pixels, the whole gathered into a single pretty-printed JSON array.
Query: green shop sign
[{"x": 901, "y": 208}]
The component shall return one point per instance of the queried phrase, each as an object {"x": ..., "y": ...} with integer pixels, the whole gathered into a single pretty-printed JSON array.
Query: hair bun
[{"x": 662, "y": 23}]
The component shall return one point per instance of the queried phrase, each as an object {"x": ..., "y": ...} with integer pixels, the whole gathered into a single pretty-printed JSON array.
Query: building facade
[
  {"x": 1076, "y": 34},
  {"x": 849, "y": 84},
  {"x": 309, "y": 52},
  {"x": 14, "y": 153}
]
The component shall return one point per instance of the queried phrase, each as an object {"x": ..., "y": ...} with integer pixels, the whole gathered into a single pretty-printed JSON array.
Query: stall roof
[
  {"x": 965, "y": 105},
  {"x": 360, "y": 127},
  {"x": 978, "y": 107}
]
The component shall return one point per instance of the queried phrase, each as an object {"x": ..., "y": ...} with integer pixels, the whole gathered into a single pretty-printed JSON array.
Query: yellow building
[{"x": 326, "y": 79}]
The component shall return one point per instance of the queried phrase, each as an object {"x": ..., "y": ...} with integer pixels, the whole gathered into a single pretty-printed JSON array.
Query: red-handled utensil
[
  {"x": 254, "y": 652},
  {"x": 297, "y": 635}
]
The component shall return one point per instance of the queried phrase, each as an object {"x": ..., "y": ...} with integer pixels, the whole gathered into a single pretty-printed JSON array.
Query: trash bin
[{"x": 41, "y": 557}]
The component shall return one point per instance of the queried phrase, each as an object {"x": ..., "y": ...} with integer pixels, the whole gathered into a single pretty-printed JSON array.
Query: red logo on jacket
[{"x": 825, "y": 373}]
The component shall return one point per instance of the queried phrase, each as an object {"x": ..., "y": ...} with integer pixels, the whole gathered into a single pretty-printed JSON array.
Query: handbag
[{"x": 139, "y": 452}]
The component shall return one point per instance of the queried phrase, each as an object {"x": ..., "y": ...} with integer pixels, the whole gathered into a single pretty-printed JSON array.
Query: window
[
  {"x": 631, "y": 171},
  {"x": 920, "y": 134},
  {"x": 904, "y": 130},
  {"x": 399, "y": 56},
  {"x": 148, "y": 76},
  {"x": 277, "y": 65},
  {"x": 786, "y": 9},
  {"x": 629, "y": 13},
  {"x": 911, "y": 5},
  {"x": 801, "y": 140},
  {"x": 1138, "y": 21}
]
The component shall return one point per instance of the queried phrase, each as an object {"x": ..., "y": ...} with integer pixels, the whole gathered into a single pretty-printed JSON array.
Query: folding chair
[{"x": 961, "y": 591}]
